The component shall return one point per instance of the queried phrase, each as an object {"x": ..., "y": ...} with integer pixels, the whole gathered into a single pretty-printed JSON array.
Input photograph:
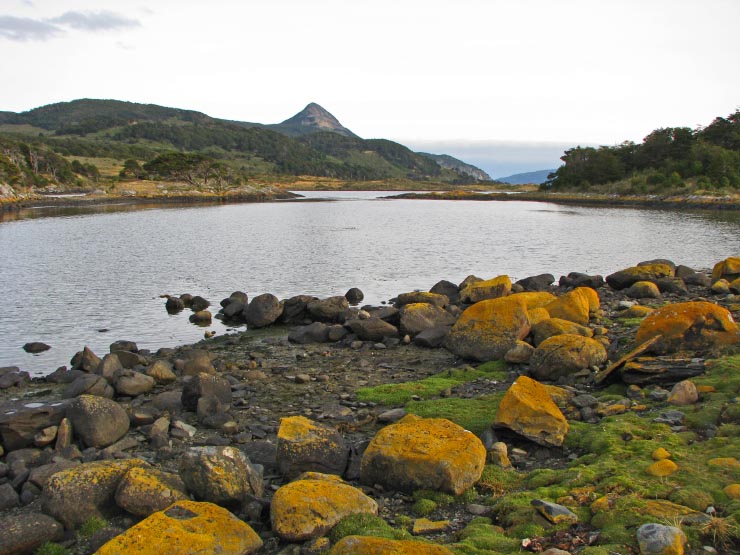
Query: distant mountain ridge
[
  {"x": 311, "y": 143},
  {"x": 537, "y": 177}
]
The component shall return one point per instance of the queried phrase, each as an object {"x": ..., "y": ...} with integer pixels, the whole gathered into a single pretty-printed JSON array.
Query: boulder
[
  {"x": 488, "y": 329},
  {"x": 186, "y": 527},
  {"x": 77, "y": 494},
  {"x": 448, "y": 289},
  {"x": 648, "y": 272},
  {"x": 557, "y": 514},
  {"x": 328, "y": 310},
  {"x": 659, "y": 539},
  {"x": 198, "y": 303},
  {"x": 263, "y": 310},
  {"x": 520, "y": 353},
  {"x": 422, "y": 297},
  {"x": 89, "y": 384},
  {"x": 221, "y": 475},
  {"x": 683, "y": 393},
  {"x": 295, "y": 309},
  {"x": 36, "y": 347},
  {"x": 541, "y": 282},
  {"x": 432, "y": 337},
  {"x": 143, "y": 490},
  {"x": 372, "y": 329},
  {"x": 388, "y": 313},
  {"x": 423, "y": 453},
  {"x": 26, "y": 532},
  {"x": 41, "y": 474},
  {"x": 131, "y": 359},
  {"x": 234, "y": 310},
  {"x": 205, "y": 385},
  {"x": 354, "y": 296},
  {"x": 691, "y": 277},
  {"x": 12, "y": 376},
  {"x": 173, "y": 305},
  {"x": 691, "y": 326},
  {"x": 528, "y": 410},
  {"x": 196, "y": 362},
  {"x": 556, "y": 326},
  {"x": 309, "y": 508},
  {"x": 729, "y": 269},
  {"x": 133, "y": 384},
  {"x": 643, "y": 290},
  {"x": 317, "y": 332},
  {"x": 674, "y": 285},
  {"x": 370, "y": 545},
  {"x": 201, "y": 318},
  {"x": 97, "y": 421},
  {"x": 161, "y": 372},
  {"x": 9, "y": 499},
  {"x": 20, "y": 421},
  {"x": 575, "y": 306},
  {"x": 109, "y": 367},
  {"x": 417, "y": 317},
  {"x": 85, "y": 360},
  {"x": 735, "y": 286},
  {"x": 577, "y": 279},
  {"x": 124, "y": 345},
  {"x": 304, "y": 445},
  {"x": 494, "y": 288},
  {"x": 562, "y": 355}
]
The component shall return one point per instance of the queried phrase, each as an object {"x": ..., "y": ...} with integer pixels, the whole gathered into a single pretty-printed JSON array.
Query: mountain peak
[{"x": 314, "y": 118}]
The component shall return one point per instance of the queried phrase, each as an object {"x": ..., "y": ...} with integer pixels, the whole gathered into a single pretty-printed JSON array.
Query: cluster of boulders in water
[{"x": 67, "y": 453}]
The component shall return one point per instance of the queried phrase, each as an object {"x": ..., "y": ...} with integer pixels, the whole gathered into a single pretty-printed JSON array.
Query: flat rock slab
[
  {"x": 20, "y": 421},
  {"x": 23, "y": 533}
]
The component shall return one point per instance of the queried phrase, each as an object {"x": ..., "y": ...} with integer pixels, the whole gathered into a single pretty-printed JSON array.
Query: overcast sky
[{"x": 505, "y": 84}]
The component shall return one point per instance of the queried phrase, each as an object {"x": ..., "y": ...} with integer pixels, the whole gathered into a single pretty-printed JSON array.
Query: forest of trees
[{"x": 667, "y": 159}]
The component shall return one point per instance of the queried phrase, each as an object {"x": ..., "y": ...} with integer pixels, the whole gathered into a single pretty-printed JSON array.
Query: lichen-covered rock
[
  {"x": 575, "y": 306},
  {"x": 161, "y": 371},
  {"x": 557, "y": 514},
  {"x": 309, "y": 508},
  {"x": 369, "y": 545},
  {"x": 186, "y": 527},
  {"x": 562, "y": 355},
  {"x": 221, "y": 475},
  {"x": 662, "y": 468},
  {"x": 474, "y": 292},
  {"x": 423, "y": 453},
  {"x": 735, "y": 286},
  {"x": 528, "y": 410},
  {"x": 263, "y": 310},
  {"x": 422, "y": 297},
  {"x": 520, "y": 353},
  {"x": 728, "y": 268},
  {"x": 417, "y": 317},
  {"x": 88, "y": 490},
  {"x": 488, "y": 329},
  {"x": 304, "y": 445},
  {"x": 97, "y": 421},
  {"x": 649, "y": 272},
  {"x": 201, "y": 318},
  {"x": 372, "y": 329},
  {"x": 636, "y": 311},
  {"x": 694, "y": 326},
  {"x": 683, "y": 393},
  {"x": 143, "y": 491},
  {"x": 659, "y": 539},
  {"x": 643, "y": 290},
  {"x": 25, "y": 532},
  {"x": 556, "y": 326}
]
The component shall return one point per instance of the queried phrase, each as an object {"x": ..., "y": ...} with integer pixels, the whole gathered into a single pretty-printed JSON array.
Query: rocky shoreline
[{"x": 584, "y": 415}]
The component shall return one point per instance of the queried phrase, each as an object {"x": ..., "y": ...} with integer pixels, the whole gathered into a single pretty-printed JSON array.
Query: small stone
[
  {"x": 46, "y": 436},
  {"x": 553, "y": 512},
  {"x": 499, "y": 455},
  {"x": 392, "y": 415},
  {"x": 302, "y": 378},
  {"x": 683, "y": 393},
  {"x": 658, "y": 539},
  {"x": 476, "y": 509},
  {"x": 425, "y": 526}
]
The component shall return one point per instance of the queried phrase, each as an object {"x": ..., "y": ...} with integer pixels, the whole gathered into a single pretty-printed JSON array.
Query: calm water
[{"x": 67, "y": 277}]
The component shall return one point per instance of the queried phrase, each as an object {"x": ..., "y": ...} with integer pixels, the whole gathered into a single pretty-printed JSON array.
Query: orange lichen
[{"x": 368, "y": 545}]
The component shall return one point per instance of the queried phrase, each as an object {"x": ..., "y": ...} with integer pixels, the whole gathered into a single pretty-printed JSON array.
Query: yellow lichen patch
[
  {"x": 735, "y": 285},
  {"x": 637, "y": 311},
  {"x": 649, "y": 272},
  {"x": 557, "y": 326},
  {"x": 476, "y": 291},
  {"x": 424, "y": 453},
  {"x": 368, "y": 545},
  {"x": 575, "y": 306},
  {"x": 306, "y": 445},
  {"x": 536, "y": 299},
  {"x": 732, "y": 491},
  {"x": 725, "y": 462},
  {"x": 692, "y": 325},
  {"x": 705, "y": 389},
  {"x": 662, "y": 468},
  {"x": 186, "y": 527},
  {"x": 728, "y": 267},
  {"x": 667, "y": 510},
  {"x": 528, "y": 410},
  {"x": 143, "y": 491},
  {"x": 601, "y": 505},
  {"x": 660, "y": 453},
  {"x": 537, "y": 315},
  {"x": 611, "y": 410},
  {"x": 425, "y": 526},
  {"x": 423, "y": 297},
  {"x": 560, "y": 396},
  {"x": 305, "y": 509}
]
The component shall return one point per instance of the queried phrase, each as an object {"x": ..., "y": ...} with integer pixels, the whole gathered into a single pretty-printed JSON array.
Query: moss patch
[
  {"x": 475, "y": 415},
  {"x": 366, "y": 525},
  {"x": 401, "y": 393}
]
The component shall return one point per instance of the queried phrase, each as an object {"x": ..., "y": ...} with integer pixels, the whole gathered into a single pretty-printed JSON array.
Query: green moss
[
  {"x": 495, "y": 481},
  {"x": 366, "y": 525},
  {"x": 526, "y": 530},
  {"x": 630, "y": 322},
  {"x": 602, "y": 550},
  {"x": 50, "y": 548},
  {"x": 480, "y": 537},
  {"x": 92, "y": 525},
  {"x": 475, "y": 415},
  {"x": 543, "y": 477},
  {"x": 400, "y": 393},
  {"x": 424, "y": 507},
  {"x": 692, "y": 497}
]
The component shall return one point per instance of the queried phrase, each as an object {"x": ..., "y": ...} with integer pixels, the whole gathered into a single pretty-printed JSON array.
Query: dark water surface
[{"x": 65, "y": 278}]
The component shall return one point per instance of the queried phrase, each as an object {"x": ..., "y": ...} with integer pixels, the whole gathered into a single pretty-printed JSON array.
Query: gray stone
[
  {"x": 328, "y": 310},
  {"x": 123, "y": 345},
  {"x": 432, "y": 337},
  {"x": 354, "y": 296},
  {"x": 234, "y": 310},
  {"x": 174, "y": 305},
  {"x": 110, "y": 367},
  {"x": 372, "y": 329},
  {"x": 132, "y": 383},
  {"x": 204, "y": 385},
  {"x": 25, "y": 532},
  {"x": 417, "y": 317},
  {"x": 35, "y": 347},
  {"x": 20, "y": 421},
  {"x": 8, "y": 497},
  {"x": 85, "y": 360},
  {"x": 541, "y": 282},
  {"x": 97, "y": 421},
  {"x": 263, "y": 310},
  {"x": 317, "y": 332},
  {"x": 161, "y": 371},
  {"x": 553, "y": 512},
  {"x": 130, "y": 359},
  {"x": 196, "y": 362},
  {"x": 657, "y": 539},
  {"x": 221, "y": 475},
  {"x": 295, "y": 309},
  {"x": 89, "y": 384}
]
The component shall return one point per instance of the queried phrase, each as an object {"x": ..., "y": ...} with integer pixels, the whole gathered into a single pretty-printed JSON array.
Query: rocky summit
[{"x": 592, "y": 415}]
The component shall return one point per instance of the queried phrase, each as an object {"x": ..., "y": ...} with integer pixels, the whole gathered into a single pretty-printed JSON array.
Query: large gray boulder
[
  {"x": 26, "y": 532},
  {"x": 97, "y": 421},
  {"x": 19, "y": 422},
  {"x": 89, "y": 384},
  {"x": 205, "y": 385},
  {"x": 317, "y": 332},
  {"x": 263, "y": 310},
  {"x": 328, "y": 310},
  {"x": 372, "y": 329}
]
